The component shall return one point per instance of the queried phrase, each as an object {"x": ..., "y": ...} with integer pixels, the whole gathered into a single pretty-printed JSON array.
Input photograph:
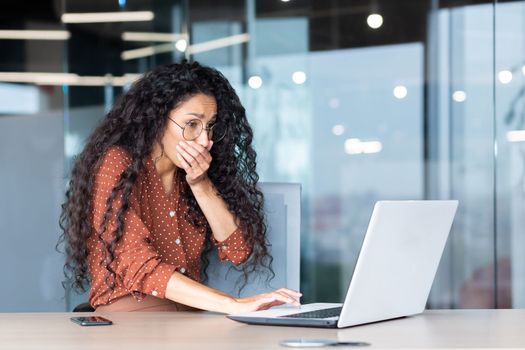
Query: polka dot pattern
[{"x": 157, "y": 240}]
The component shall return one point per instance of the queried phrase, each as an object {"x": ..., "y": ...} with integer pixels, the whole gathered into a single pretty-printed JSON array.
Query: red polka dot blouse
[{"x": 157, "y": 240}]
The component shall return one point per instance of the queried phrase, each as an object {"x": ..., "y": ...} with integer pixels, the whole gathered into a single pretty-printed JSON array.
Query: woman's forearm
[
  {"x": 184, "y": 290},
  {"x": 221, "y": 221}
]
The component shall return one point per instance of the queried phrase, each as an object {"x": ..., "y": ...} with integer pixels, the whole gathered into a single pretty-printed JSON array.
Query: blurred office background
[{"x": 357, "y": 100}]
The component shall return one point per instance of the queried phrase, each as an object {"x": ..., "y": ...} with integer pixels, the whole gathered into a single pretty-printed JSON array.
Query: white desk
[{"x": 434, "y": 329}]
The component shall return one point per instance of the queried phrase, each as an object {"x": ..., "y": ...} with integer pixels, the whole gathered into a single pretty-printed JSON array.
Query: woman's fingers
[
  {"x": 192, "y": 152},
  {"x": 195, "y": 155},
  {"x": 284, "y": 298},
  {"x": 185, "y": 165},
  {"x": 205, "y": 151},
  {"x": 191, "y": 161},
  {"x": 268, "y": 300},
  {"x": 197, "y": 151},
  {"x": 187, "y": 156},
  {"x": 266, "y": 303},
  {"x": 290, "y": 292},
  {"x": 289, "y": 298}
]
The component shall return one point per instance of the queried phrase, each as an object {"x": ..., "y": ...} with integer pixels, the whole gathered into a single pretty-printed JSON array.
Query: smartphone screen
[{"x": 91, "y": 321}]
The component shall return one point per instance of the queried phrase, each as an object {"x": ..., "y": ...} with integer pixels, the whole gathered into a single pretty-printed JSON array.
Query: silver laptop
[{"x": 394, "y": 272}]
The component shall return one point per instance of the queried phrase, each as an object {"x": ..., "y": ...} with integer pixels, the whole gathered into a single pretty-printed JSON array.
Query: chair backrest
[{"x": 283, "y": 214}]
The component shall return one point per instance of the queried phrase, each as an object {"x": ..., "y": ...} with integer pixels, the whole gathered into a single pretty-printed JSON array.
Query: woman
[{"x": 168, "y": 175}]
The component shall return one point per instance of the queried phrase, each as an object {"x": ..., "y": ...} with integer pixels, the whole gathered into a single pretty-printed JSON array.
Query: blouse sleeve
[
  {"x": 234, "y": 248},
  {"x": 137, "y": 264}
]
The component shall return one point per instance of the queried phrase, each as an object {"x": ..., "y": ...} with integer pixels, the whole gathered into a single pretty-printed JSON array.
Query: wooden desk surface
[{"x": 434, "y": 329}]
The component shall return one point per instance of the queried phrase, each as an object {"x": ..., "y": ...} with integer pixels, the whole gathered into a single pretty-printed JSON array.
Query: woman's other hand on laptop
[{"x": 265, "y": 301}]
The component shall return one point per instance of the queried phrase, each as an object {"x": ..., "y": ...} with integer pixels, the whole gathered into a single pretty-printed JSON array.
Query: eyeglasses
[{"x": 193, "y": 129}]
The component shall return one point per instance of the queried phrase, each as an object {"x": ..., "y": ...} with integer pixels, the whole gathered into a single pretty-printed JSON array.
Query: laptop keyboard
[{"x": 324, "y": 313}]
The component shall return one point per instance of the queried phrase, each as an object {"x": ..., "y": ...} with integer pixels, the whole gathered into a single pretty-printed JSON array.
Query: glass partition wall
[
  {"x": 509, "y": 123},
  {"x": 358, "y": 101}
]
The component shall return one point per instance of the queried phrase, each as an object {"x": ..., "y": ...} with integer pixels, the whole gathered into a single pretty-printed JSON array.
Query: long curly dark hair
[{"x": 136, "y": 123}]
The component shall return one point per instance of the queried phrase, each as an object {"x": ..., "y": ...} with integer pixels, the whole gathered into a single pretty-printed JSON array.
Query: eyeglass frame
[{"x": 208, "y": 129}]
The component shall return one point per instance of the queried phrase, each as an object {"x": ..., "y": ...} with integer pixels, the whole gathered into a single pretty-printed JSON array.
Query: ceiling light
[
  {"x": 459, "y": 96},
  {"x": 181, "y": 45},
  {"x": 374, "y": 20},
  {"x": 35, "y": 34},
  {"x": 150, "y": 36},
  {"x": 353, "y": 146},
  {"x": 255, "y": 82},
  {"x": 338, "y": 130},
  {"x": 505, "y": 76},
  {"x": 299, "y": 77},
  {"x": 146, "y": 51},
  {"x": 356, "y": 146},
  {"x": 372, "y": 147},
  {"x": 100, "y": 17},
  {"x": 400, "y": 92},
  {"x": 516, "y": 136},
  {"x": 57, "y": 79},
  {"x": 192, "y": 49},
  {"x": 218, "y": 43}
]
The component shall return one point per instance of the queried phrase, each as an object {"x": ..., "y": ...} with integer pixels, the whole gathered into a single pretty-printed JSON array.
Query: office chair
[{"x": 283, "y": 216}]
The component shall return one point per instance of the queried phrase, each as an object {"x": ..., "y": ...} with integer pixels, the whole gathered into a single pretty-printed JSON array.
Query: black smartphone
[{"x": 91, "y": 321}]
